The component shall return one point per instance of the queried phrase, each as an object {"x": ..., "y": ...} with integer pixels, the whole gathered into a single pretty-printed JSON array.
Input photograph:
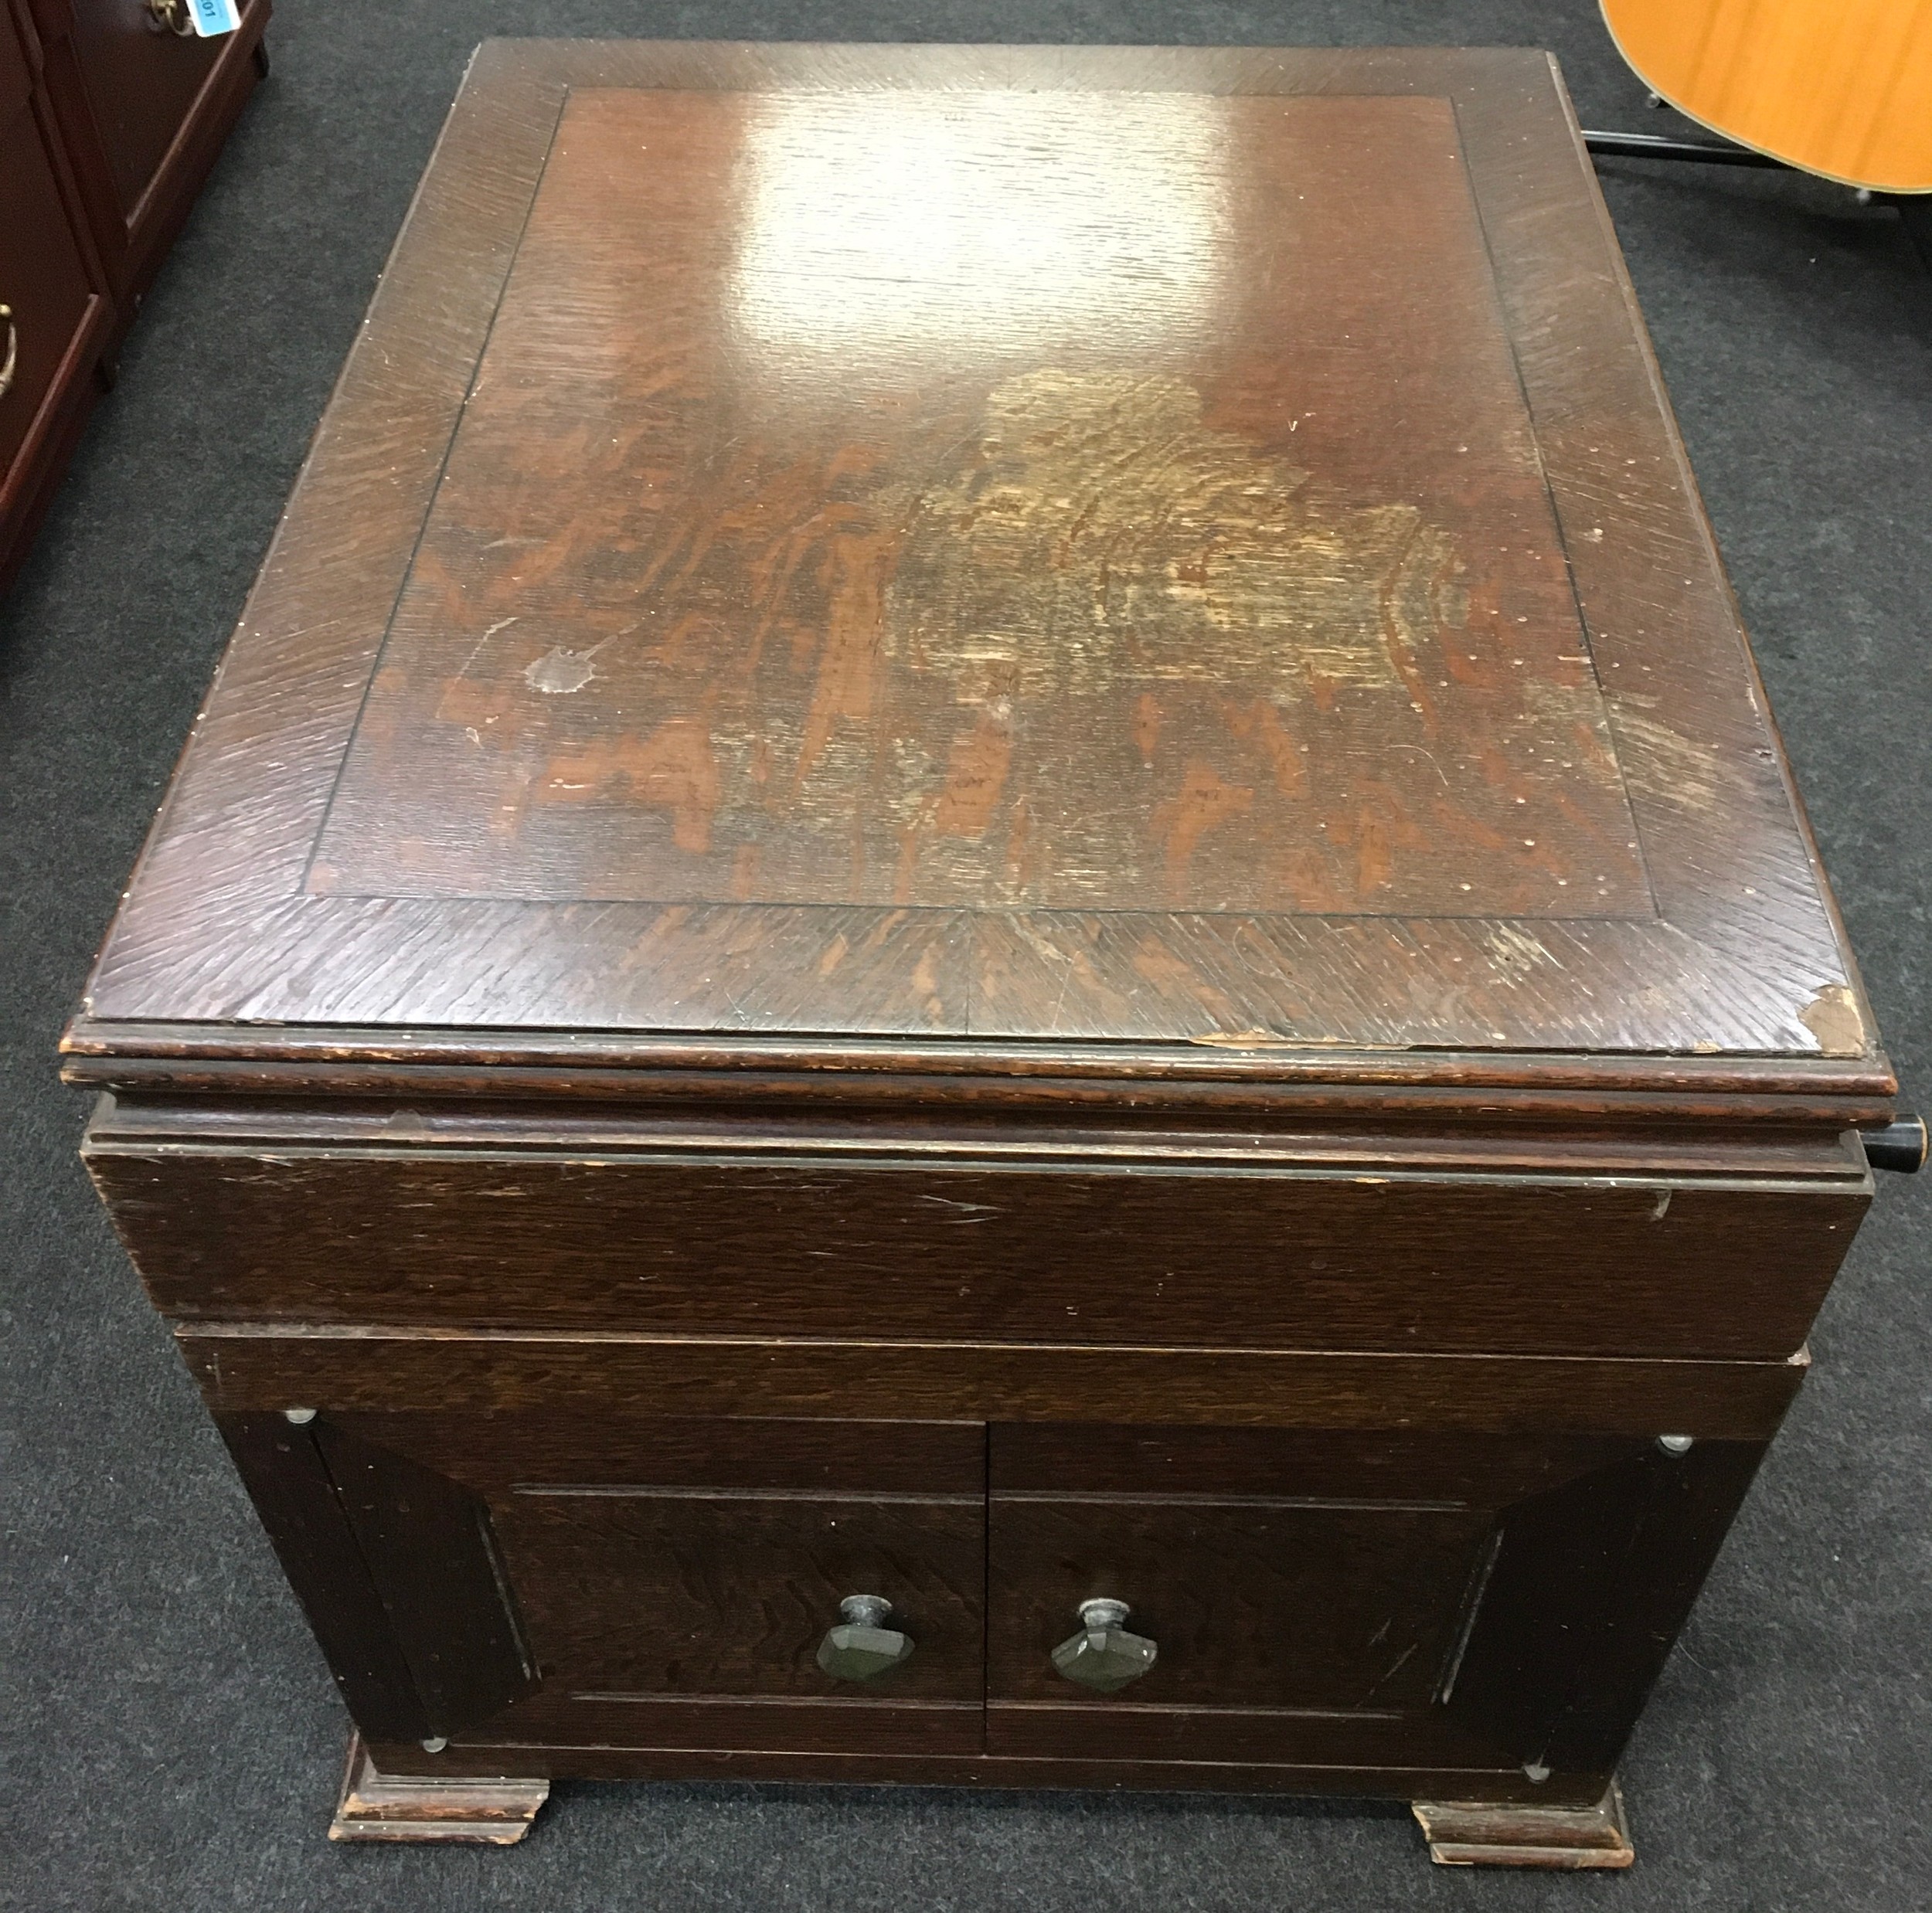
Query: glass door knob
[
  {"x": 861, "y": 1647},
  {"x": 1103, "y": 1655}
]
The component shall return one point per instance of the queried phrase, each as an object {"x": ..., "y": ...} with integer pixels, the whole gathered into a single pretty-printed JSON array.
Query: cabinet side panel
[{"x": 295, "y": 1497}]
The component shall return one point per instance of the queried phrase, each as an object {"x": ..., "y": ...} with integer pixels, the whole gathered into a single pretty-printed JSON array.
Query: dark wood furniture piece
[
  {"x": 991, "y": 866},
  {"x": 111, "y": 113}
]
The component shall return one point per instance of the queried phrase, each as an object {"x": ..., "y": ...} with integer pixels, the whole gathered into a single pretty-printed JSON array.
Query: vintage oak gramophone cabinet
[{"x": 986, "y": 963}]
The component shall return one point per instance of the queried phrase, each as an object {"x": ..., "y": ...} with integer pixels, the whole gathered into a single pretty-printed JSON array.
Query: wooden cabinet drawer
[
  {"x": 141, "y": 111},
  {"x": 143, "y": 83},
  {"x": 1112, "y": 1242},
  {"x": 57, "y": 317}
]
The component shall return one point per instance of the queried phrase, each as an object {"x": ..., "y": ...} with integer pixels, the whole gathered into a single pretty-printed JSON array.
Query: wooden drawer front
[
  {"x": 142, "y": 84},
  {"x": 55, "y": 309},
  {"x": 665, "y": 1583},
  {"x": 1453, "y": 1600},
  {"x": 901, "y": 1251}
]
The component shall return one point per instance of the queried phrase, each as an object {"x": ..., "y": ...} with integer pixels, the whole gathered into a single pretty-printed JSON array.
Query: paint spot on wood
[{"x": 559, "y": 671}]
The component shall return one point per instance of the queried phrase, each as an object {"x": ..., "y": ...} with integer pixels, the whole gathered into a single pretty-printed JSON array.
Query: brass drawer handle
[
  {"x": 13, "y": 350},
  {"x": 1102, "y": 1655},
  {"x": 861, "y": 1647},
  {"x": 172, "y": 15}
]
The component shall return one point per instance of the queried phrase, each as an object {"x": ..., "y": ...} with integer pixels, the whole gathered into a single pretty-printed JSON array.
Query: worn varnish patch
[
  {"x": 768, "y": 497},
  {"x": 1070, "y": 616},
  {"x": 1832, "y": 1017}
]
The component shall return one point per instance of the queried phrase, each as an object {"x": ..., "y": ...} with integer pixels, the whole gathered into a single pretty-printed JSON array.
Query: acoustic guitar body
[{"x": 1839, "y": 87}]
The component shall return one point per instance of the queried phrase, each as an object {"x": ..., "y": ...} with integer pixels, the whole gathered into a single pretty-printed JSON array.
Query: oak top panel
[
  {"x": 1120, "y": 545},
  {"x": 902, "y": 499}
]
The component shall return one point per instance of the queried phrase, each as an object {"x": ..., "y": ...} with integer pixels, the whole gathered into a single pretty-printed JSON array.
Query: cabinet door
[
  {"x": 530, "y": 1581},
  {"x": 1483, "y": 1603},
  {"x": 55, "y": 316},
  {"x": 143, "y": 110}
]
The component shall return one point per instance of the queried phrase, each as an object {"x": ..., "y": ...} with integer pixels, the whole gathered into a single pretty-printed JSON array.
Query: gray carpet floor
[{"x": 172, "y": 1739}]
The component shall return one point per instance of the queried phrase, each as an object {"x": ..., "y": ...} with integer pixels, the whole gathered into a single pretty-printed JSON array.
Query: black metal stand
[
  {"x": 1915, "y": 211},
  {"x": 1914, "y": 208},
  {"x": 1652, "y": 146}
]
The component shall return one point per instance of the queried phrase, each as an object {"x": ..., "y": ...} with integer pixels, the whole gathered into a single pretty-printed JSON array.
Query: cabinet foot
[
  {"x": 405, "y": 1807},
  {"x": 1464, "y": 1833}
]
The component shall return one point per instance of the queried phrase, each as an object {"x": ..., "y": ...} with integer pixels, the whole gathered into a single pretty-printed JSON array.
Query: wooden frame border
[{"x": 209, "y": 935}]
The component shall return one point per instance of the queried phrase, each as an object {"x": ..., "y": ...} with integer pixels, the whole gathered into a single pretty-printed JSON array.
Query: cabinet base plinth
[
  {"x": 1464, "y": 1833},
  {"x": 402, "y": 1807}
]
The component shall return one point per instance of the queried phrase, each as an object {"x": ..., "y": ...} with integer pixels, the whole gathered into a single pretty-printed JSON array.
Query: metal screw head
[
  {"x": 1676, "y": 1444},
  {"x": 298, "y": 1416},
  {"x": 435, "y": 1744},
  {"x": 865, "y": 1610},
  {"x": 1104, "y": 1613},
  {"x": 1537, "y": 1771}
]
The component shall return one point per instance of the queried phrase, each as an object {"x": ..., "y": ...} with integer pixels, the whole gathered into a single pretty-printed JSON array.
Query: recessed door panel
[
  {"x": 143, "y": 75},
  {"x": 1480, "y": 1602},
  {"x": 556, "y": 1580}
]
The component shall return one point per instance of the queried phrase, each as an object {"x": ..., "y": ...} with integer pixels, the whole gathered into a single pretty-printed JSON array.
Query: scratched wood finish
[
  {"x": 846, "y": 557},
  {"x": 369, "y": 1368},
  {"x": 992, "y": 825},
  {"x": 1156, "y": 1251},
  {"x": 1300, "y": 623}
]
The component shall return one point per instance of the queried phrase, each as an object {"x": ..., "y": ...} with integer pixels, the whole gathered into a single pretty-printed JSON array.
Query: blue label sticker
[{"x": 212, "y": 17}]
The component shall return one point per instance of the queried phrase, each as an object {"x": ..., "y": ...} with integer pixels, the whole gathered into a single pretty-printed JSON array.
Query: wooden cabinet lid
[{"x": 985, "y": 547}]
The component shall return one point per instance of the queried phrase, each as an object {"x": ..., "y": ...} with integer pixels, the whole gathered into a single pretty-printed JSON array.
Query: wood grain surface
[
  {"x": 552, "y": 1577},
  {"x": 637, "y": 1593},
  {"x": 992, "y": 830},
  {"x": 268, "y": 1365},
  {"x": 1256, "y": 1604},
  {"x": 1840, "y": 87},
  {"x": 970, "y": 553},
  {"x": 744, "y": 584},
  {"x": 1149, "y": 1252}
]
